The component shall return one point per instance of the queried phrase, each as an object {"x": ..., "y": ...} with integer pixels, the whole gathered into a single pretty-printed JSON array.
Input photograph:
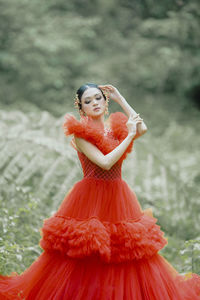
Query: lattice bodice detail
[{"x": 90, "y": 169}]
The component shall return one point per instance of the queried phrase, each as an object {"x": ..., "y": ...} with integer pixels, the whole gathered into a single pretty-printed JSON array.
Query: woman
[{"x": 100, "y": 244}]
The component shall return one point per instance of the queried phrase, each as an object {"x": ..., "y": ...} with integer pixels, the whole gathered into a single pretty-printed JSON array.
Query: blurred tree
[{"x": 48, "y": 49}]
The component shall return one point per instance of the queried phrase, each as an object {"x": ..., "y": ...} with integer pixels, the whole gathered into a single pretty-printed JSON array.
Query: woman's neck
[{"x": 98, "y": 120}]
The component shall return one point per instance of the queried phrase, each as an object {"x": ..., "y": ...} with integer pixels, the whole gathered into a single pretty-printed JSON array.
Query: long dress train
[{"x": 100, "y": 244}]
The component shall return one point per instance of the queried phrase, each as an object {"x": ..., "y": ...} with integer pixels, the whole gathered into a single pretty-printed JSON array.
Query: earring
[{"x": 107, "y": 102}]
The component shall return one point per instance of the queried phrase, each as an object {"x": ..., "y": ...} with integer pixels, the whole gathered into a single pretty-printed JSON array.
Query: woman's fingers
[
  {"x": 106, "y": 87},
  {"x": 103, "y": 86},
  {"x": 136, "y": 117}
]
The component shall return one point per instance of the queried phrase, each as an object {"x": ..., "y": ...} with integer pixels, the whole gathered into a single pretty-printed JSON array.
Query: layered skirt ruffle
[
  {"x": 113, "y": 242},
  {"x": 101, "y": 245}
]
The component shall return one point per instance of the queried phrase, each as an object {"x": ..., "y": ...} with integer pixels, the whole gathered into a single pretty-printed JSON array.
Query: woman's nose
[{"x": 95, "y": 102}]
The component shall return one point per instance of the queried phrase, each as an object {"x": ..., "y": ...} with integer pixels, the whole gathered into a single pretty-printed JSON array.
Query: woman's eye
[{"x": 87, "y": 102}]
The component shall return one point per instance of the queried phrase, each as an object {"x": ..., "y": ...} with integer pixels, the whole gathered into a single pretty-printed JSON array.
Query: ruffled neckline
[{"x": 115, "y": 125}]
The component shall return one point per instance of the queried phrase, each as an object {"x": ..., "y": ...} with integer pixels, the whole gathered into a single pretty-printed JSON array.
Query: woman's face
[{"x": 93, "y": 98}]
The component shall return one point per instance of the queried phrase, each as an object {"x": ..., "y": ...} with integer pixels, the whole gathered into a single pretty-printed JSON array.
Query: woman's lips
[{"x": 96, "y": 108}]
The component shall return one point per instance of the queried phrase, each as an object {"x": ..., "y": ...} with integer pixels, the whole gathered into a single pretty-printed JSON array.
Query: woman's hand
[
  {"x": 112, "y": 92},
  {"x": 133, "y": 124}
]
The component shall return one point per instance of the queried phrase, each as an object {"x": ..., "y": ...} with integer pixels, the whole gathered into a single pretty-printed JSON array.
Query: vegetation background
[{"x": 150, "y": 51}]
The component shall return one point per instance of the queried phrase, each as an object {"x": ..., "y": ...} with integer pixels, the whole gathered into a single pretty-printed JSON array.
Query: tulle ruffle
[
  {"x": 56, "y": 277},
  {"x": 113, "y": 242}
]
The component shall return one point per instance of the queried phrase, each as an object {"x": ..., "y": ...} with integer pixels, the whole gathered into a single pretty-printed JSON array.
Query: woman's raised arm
[
  {"x": 115, "y": 95},
  {"x": 96, "y": 156}
]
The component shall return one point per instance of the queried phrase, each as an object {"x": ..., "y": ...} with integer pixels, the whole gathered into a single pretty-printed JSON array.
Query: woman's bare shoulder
[{"x": 74, "y": 143}]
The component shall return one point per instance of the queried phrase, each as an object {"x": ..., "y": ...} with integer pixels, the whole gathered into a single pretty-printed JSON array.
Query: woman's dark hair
[{"x": 83, "y": 88}]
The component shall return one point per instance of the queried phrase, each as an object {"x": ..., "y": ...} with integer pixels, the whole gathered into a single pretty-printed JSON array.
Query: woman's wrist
[
  {"x": 126, "y": 107},
  {"x": 131, "y": 135}
]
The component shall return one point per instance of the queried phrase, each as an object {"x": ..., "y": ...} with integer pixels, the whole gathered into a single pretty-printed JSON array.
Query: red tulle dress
[{"x": 100, "y": 244}]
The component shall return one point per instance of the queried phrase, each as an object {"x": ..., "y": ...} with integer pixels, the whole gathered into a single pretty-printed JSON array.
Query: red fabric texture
[{"x": 100, "y": 244}]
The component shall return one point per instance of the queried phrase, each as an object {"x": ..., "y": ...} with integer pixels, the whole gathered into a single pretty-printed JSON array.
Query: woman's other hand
[{"x": 133, "y": 123}]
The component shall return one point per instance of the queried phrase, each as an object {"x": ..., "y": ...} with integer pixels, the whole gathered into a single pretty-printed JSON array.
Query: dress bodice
[{"x": 90, "y": 169}]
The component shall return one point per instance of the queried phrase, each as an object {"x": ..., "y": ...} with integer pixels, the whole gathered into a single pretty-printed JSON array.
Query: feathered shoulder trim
[{"x": 94, "y": 133}]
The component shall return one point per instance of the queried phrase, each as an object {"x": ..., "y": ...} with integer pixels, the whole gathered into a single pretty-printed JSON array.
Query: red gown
[{"x": 100, "y": 244}]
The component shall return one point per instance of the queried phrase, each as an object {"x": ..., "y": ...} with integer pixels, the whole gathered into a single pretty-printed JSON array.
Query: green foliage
[
  {"x": 47, "y": 50},
  {"x": 36, "y": 173}
]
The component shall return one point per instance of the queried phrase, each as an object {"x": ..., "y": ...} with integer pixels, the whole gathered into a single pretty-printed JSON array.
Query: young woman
[{"x": 100, "y": 244}]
